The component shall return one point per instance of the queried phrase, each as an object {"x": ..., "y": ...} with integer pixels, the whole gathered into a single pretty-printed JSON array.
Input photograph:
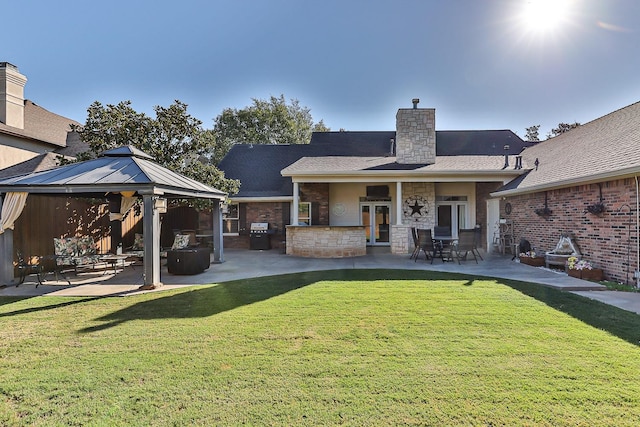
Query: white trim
[
  {"x": 490, "y": 177},
  {"x": 274, "y": 199}
]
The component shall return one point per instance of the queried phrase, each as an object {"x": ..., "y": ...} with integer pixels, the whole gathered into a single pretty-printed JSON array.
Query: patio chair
[
  {"x": 466, "y": 245},
  {"x": 416, "y": 248},
  {"x": 426, "y": 244}
]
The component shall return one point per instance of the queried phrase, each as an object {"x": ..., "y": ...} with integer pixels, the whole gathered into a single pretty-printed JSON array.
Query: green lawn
[{"x": 371, "y": 347}]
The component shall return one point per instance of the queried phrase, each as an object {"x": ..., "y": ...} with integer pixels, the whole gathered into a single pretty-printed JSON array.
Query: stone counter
[{"x": 321, "y": 241}]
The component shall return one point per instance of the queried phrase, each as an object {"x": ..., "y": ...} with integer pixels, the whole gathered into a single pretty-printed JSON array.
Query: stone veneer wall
[
  {"x": 401, "y": 240},
  {"x": 608, "y": 240},
  {"x": 326, "y": 242},
  {"x": 416, "y": 136}
]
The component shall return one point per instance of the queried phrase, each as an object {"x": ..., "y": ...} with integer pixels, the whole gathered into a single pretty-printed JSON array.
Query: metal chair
[
  {"x": 426, "y": 244},
  {"x": 416, "y": 248},
  {"x": 465, "y": 245}
]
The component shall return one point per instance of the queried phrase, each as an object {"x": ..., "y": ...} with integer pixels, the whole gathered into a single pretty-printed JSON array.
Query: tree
[
  {"x": 532, "y": 133},
  {"x": 562, "y": 128},
  {"x": 174, "y": 139},
  {"x": 270, "y": 121}
]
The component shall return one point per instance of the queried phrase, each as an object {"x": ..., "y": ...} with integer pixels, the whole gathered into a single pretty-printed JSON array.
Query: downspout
[{"x": 636, "y": 273}]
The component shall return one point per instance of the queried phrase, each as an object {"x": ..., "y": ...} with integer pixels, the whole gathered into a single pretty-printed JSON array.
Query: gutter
[
  {"x": 606, "y": 176},
  {"x": 636, "y": 273}
]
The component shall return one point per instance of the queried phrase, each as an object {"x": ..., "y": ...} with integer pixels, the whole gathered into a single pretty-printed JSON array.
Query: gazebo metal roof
[{"x": 120, "y": 169}]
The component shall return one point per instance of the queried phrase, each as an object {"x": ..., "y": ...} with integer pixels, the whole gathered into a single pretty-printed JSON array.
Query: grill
[{"x": 259, "y": 236}]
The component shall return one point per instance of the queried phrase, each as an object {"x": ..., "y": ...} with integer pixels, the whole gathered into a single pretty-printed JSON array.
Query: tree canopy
[
  {"x": 174, "y": 139},
  {"x": 562, "y": 128},
  {"x": 270, "y": 121},
  {"x": 533, "y": 132}
]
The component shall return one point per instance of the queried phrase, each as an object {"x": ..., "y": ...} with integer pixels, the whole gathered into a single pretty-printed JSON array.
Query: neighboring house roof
[
  {"x": 41, "y": 162},
  {"x": 120, "y": 169},
  {"x": 41, "y": 125},
  {"x": 605, "y": 148},
  {"x": 258, "y": 167}
]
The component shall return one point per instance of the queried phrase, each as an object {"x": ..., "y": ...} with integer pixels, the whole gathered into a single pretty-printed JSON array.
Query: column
[
  {"x": 399, "y": 212},
  {"x": 296, "y": 200},
  {"x": 218, "y": 253},
  {"x": 151, "y": 227}
]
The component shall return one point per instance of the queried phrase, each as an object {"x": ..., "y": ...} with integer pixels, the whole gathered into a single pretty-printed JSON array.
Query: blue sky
[{"x": 480, "y": 63}]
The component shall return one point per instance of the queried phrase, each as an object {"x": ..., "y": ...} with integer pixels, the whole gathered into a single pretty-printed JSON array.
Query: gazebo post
[
  {"x": 151, "y": 227},
  {"x": 6, "y": 254},
  {"x": 218, "y": 255}
]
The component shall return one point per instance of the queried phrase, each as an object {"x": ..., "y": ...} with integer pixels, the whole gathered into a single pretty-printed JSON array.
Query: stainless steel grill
[{"x": 259, "y": 236}]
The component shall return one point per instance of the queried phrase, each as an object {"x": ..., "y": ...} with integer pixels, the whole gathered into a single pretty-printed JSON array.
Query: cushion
[
  {"x": 64, "y": 247},
  {"x": 181, "y": 241},
  {"x": 86, "y": 247},
  {"x": 138, "y": 243}
]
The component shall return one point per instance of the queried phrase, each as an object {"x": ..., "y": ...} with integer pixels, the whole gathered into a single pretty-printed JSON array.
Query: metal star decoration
[{"x": 416, "y": 208}]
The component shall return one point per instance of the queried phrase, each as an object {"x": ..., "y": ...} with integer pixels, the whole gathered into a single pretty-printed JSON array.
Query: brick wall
[
  {"x": 609, "y": 240},
  {"x": 318, "y": 195},
  {"x": 273, "y": 213}
]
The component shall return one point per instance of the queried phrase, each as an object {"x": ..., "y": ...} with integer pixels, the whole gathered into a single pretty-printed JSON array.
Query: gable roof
[
  {"x": 41, "y": 125},
  {"x": 605, "y": 148},
  {"x": 258, "y": 167}
]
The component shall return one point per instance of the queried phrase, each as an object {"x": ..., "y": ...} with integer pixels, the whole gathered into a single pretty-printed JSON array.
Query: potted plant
[
  {"x": 530, "y": 258},
  {"x": 583, "y": 269}
]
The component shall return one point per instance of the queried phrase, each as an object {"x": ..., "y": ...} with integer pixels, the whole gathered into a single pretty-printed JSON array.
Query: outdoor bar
[{"x": 322, "y": 241}]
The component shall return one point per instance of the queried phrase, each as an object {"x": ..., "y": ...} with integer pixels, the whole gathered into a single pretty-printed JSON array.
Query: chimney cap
[
  {"x": 8, "y": 65},
  {"x": 415, "y": 102}
]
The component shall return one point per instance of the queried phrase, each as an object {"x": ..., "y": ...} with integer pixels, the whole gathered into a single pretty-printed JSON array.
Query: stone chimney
[
  {"x": 11, "y": 95},
  {"x": 416, "y": 135}
]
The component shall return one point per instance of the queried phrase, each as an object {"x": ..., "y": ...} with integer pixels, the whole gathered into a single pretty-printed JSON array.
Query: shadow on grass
[
  {"x": 10, "y": 300},
  {"x": 211, "y": 300},
  {"x": 621, "y": 323}
]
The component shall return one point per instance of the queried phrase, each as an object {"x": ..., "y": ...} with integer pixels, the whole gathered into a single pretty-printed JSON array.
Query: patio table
[{"x": 113, "y": 260}]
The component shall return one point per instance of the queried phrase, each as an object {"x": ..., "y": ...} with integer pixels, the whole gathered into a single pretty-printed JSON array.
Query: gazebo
[{"x": 126, "y": 171}]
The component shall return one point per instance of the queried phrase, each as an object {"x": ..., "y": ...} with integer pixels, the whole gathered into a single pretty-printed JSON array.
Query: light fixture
[{"x": 160, "y": 205}]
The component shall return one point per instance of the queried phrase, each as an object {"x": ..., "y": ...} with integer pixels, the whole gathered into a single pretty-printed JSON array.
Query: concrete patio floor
[{"x": 241, "y": 264}]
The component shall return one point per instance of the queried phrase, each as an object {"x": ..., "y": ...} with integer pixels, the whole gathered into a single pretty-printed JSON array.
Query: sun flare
[{"x": 543, "y": 16}]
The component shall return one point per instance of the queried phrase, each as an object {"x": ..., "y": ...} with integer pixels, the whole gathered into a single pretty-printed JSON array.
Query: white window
[
  {"x": 304, "y": 213},
  {"x": 230, "y": 219}
]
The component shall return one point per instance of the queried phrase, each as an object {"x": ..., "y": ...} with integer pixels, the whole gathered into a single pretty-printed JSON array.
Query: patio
[{"x": 102, "y": 282}]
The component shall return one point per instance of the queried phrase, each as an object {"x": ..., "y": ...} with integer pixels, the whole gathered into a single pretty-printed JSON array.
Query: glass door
[
  {"x": 376, "y": 219},
  {"x": 452, "y": 212}
]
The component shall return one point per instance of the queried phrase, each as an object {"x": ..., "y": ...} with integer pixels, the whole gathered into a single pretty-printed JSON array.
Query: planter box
[
  {"x": 593, "y": 274},
  {"x": 535, "y": 262}
]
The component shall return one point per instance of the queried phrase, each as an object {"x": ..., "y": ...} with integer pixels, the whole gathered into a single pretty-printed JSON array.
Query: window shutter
[
  {"x": 242, "y": 219},
  {"x": 315, "y": 213},
  {"x": 286, "y": 215}
]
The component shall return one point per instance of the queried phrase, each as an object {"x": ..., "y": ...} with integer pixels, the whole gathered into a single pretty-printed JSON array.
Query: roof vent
[{"x": 415, "y": 102}]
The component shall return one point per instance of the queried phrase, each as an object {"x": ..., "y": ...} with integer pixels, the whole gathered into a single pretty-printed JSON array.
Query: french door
[
  {"x": 453, "y": 213},
  {"x": 376, "y": 219}
]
